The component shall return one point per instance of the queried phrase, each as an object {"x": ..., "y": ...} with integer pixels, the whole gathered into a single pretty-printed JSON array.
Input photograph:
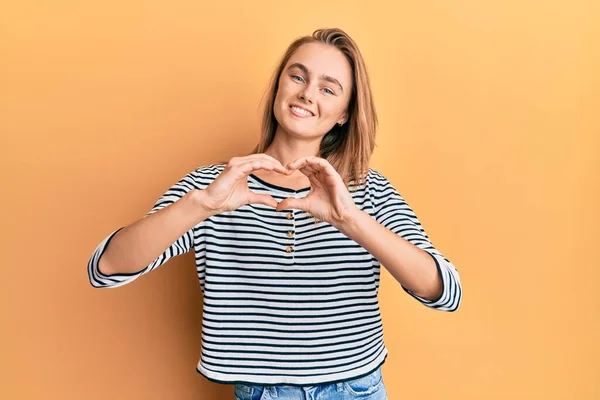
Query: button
[
  {"x": 289, "y": 215},
  {"x": 289, "y": 249},
  {"x": 290, "y": 234}
]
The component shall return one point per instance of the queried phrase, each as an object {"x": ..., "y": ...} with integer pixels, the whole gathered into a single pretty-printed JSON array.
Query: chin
[
  {"x": 296, "y": 126},
  {"x": 298, "y": 130}
]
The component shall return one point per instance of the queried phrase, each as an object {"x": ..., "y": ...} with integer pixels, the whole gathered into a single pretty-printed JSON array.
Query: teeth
[{"x": 301, "y": 110}]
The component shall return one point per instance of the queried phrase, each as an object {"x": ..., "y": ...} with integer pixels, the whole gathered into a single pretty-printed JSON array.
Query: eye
[
  {"x": 299, "y": 77},
  {"x": 329, "y": 91}
]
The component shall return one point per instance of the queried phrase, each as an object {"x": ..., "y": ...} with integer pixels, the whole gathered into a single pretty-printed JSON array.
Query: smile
[{"x": 301, "y": 112}]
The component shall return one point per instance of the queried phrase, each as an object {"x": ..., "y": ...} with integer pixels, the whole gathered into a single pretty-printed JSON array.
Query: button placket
[{"x": 291, "y": 234}]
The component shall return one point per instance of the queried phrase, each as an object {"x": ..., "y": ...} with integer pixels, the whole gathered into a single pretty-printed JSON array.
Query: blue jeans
[{"x": 368, "y": 387}]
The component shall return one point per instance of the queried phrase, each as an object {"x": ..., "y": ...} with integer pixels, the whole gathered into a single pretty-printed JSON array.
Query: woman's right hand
[{"x": 230, "y": 190}]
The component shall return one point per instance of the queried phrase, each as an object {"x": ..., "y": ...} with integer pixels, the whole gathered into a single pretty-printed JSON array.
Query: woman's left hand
[{"x": 328, "y": 200}]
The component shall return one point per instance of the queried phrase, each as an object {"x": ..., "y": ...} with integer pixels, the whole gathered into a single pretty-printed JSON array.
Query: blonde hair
[{"x": 348, "y": 147}]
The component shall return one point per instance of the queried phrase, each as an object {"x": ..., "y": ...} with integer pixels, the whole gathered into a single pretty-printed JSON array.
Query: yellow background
[{"x": 489, "y": 128}]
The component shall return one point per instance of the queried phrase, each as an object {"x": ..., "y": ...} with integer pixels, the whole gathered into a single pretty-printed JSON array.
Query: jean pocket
[
  {"x": 248, "y": 392},
  {"x": 365, "y": 384}
]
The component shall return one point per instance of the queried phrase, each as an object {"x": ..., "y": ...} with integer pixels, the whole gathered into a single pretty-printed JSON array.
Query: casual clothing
[
  {"x": 367, "y": 387},
  {"x": 288, "y": 301}
]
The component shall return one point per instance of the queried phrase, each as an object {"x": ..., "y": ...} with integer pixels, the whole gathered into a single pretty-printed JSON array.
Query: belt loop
[
  {"x": 272, "y": 390},
  {"x": 340, "y": 386}
]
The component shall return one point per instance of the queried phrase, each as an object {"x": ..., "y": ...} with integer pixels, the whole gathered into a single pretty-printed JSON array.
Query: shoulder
[
  {"x": 376, "y": 181},
  {"x": 204, "y": 175},
  {"x": 375, "y": 174}
]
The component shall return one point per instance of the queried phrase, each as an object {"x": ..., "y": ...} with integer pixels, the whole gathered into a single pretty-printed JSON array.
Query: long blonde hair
[{"x": 348, "y": 147}]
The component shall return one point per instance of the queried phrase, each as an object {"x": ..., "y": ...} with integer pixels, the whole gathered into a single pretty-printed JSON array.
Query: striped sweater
[{"x": 288, "y": 301}]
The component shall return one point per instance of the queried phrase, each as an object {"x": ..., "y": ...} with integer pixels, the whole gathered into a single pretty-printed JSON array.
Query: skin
[
  {"x": 298, "y": 137},
  {"x": 296, "y": 146}
]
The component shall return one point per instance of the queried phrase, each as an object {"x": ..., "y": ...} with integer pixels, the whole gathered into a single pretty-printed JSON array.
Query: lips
[{"x": 301, "y": 111}]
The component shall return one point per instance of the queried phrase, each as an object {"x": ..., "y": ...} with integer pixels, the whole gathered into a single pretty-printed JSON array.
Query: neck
[{"x": 287, "y": 149}]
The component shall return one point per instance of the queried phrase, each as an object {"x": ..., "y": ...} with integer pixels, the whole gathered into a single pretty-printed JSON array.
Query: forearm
[
  {"x": 136, "y": 245},
  {"x": 410, "y": 265}
]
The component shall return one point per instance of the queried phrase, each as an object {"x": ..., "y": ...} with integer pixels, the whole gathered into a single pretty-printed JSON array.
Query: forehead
[{"x": 323, "y": 59}]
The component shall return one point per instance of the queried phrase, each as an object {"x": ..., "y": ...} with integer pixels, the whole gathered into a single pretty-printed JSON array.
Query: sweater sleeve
[
  {"x": 181, "y": 246},
  {"x": 393, "y": 212}
]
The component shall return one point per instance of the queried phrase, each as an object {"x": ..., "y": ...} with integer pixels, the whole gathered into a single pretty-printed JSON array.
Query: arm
[
  {"x": 411, "y": 266},
  {"x": 395, "y": 237},
  {"x": 165, "y": 232}
]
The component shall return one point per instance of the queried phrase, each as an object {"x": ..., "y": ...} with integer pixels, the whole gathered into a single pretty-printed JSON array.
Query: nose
[{"x": 306, "y": 95}]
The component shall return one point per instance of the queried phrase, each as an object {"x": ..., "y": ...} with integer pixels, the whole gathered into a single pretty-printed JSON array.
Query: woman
[{"x": 290, "y": 303}]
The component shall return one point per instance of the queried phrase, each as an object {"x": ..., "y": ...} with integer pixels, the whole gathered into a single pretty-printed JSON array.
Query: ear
[{"x": 343, "y": 120}]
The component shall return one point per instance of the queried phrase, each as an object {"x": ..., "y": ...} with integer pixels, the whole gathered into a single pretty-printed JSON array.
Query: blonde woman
[{"x": 289, "y": 240}]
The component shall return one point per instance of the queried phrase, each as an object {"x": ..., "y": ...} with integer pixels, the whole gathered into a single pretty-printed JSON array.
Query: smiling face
[{"x": 314, "y": 91}]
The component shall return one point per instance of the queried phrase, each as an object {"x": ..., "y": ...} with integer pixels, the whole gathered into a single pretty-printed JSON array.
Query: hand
[
  {"x": 328, "y": 200},
  {"x": 230, "y": 190}
]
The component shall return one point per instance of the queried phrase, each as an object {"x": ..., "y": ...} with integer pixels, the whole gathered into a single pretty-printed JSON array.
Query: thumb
[
  {"x": 298, "y": 204},
  {"x": 263, "y": 199}
]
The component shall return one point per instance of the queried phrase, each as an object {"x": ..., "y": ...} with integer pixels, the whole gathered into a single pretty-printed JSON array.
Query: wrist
[
  {"x": 197, "y": 201},
  {"x": 350, "y": 223}
]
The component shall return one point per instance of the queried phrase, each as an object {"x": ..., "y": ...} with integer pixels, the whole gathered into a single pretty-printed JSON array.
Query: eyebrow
[{"x": 324, "y": 77}]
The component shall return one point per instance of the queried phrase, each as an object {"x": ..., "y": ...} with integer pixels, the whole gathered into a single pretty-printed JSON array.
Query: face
[{"x": 314, "y": 91}]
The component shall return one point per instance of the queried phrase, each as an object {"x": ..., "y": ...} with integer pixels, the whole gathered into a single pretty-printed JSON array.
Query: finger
[
  {"x": 272, "y": 159},
  {"x": 321, "y": 164},
  {"x": 265, "y": 199},
  {"x": 319, "y": 171},
  {"x": 314, "y": 178},
  {"x": 241, "y": 171},
  {"x": 291, "y": 203},
  {"x": 324, "y": 170},
  {"x": 251, "y": 166},
  {"x": 303, "y": 166},
  {"x": 297, "y": 163},
  {"x": 316, "y": 163},
  {"x": 308, "y": 169},
  {"x": 265, "y": 157},
  {"x": 269, "y": 159}
]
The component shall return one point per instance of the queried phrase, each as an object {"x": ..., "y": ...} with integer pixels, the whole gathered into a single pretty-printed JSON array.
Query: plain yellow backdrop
[{"x": 489, "y": 129}]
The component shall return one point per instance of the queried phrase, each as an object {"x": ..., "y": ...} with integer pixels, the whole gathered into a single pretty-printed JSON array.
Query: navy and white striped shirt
[{"x": 288, "y": 301}]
